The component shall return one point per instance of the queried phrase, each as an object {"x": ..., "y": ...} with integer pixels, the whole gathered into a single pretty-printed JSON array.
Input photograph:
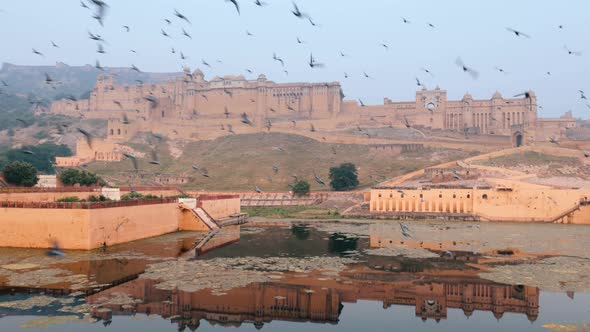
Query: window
[{"x": 484, "y": 196}]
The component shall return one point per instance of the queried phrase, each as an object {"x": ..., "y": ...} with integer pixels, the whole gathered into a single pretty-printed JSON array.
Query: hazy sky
[{"x": 474, "y": 30}]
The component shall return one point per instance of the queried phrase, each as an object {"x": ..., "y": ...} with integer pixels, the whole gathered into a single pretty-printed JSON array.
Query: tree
[
  {"x": 73, "y": 176},
  {"x": 301, "y": 188},
  {"x": 42, "y": 157},
  {"x": 20, "y": 173},
  {"x": 344, "y": 177}
]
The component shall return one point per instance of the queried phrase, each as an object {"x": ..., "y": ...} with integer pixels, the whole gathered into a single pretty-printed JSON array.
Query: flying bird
[
  {"x": 274, "y": 57},
  {"x": 87, "y": 136},
  {"x": 518, "y": 33},
  {"x": 127, "y": 28},
  {"x": 473, "y": 73},
  {"x": 133, "y": 160},
  {"x": 258, "y": 190},
  {"x": 164, "y": 33},
  {"x": 427, "y": 71},
  {"x": 180, "y": 16},
  {"x": 384, "y": 46},
  {"x": 186, "y": 34},
  {"x": 155, "y": 158},
  {"x": 37, "y": 53},
  {"x": 260, "y": 3},
  {"x": 235, "y": 2},
  {"x": 319, "y": 179},
  {"x": 313, "y": 63},
  {"x": 133, "y": 67},
  {"x": 100, "y": 49},
  {"x": 406, "y": 21},
  {"x": 54, "y": 44},
  {"x": 246, "y": 120},
  {"x": 297, "y": 12},
  {"x": 570, "y": 52}
]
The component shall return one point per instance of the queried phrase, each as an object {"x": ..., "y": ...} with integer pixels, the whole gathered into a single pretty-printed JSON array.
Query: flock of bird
[{"x": 99, "y": 9}]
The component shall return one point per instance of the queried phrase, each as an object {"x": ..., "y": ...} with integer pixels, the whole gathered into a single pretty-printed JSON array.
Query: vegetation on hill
[
  {"x": 241, "y": 162},
  {"x": 72, "y": 176},
  {"x": 20, "y": 173},
  {"x": 301, "y": 188},
  {"x": 41, "y": 156},
  {"x": 14, "y": 107},
  {"x": 344, "y": 177}
]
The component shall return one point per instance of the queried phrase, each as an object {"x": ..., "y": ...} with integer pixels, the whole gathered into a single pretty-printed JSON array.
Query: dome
[
  {"x": 198, "y": 72},
  {"x": 262, "y": 77},
  {"x": 467, "y": 96},
  {"x": 497, "y": 95}
]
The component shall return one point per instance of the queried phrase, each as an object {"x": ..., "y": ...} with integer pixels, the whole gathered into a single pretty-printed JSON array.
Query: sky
[{"x": 473, "y": 30}]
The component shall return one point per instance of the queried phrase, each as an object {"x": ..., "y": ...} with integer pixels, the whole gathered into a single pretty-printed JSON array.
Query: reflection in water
[
  {"x": 313, "y": 300},
  {"x": 432, "y": 287}
]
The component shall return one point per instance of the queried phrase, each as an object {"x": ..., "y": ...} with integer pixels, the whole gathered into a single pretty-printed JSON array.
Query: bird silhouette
[
  {"x": 518, "y": 33},
  {"x": 313, "y": 63},
  {"x": 246, "y": 120},
  {"x": 235, "y": 2},
  {"x": 186, "y": 34},
  {"x": 181, "y": 16},
  {"x": 570, "y": 52},
  {"x": 473, "y": 73},
  {"x": 276, "y": 58},
  {"x": 38, "y": 53}
]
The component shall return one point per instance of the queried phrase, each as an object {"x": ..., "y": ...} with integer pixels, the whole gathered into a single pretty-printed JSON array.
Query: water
[{"x": 329, "y": 283}]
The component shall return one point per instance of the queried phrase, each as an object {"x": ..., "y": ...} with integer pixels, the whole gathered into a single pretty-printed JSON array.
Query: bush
[
  {"x": 301, "y": 188},
  {"x": 42, "y": 158},
  {"x": 69, "y": 199},
  {"x": 136, "y": 195},
  {"x": 344, "y": 177},
  {"x": 73, "y": 176},
  {"x": 20, "y": 173},
  {"x": 100, "y": 198}
]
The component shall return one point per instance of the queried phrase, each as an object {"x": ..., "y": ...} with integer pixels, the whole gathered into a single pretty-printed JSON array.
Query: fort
[{"x": 193, "y": 108}]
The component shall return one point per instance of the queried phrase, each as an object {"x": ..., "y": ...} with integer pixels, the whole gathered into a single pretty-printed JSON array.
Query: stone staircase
[{"x": 206, "y": 218}]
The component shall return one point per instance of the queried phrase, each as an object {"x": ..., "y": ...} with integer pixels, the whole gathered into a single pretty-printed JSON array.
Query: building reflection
[{"x": 321, "y": 301}]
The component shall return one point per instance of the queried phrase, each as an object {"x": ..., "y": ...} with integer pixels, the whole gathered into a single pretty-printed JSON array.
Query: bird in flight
[
  {"x": 501, "y": 70},
  {"x": 427, "y": 71},
  {"x": 570, "y": 52},
  {"x": 406, "y": 21},
  {"x": 260, "y": 3},
  {"x": 186, "y": 34},
  {"x": 54, "y": 44},
  {"x": 235, "y": 2},
  {"x": 133, "y": 67},
  {"x": 313, "y": 63},
  {"x": 164, "y": 33},
  {"x": 181, "y": 16},
  {"x": 275, "y": 58},
  {"x": 473, "y": 73},
  {"x": 127, "y": 28},
  {"x": 298, "y": 12},
  {"x": 37, "y": 53},
  {"x": 518, "y": 33},
  {"x": 246, "y": 120}
]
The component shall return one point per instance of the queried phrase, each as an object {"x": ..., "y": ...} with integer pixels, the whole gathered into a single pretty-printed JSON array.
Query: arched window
[
  {"x": 112, "y": 132},
  {"x": 118, "y": 131},
  {"x": 484, "y": 196}
]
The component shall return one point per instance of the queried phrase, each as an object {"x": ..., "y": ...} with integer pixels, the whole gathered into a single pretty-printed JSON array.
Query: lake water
[{"x": 296, "y": 278}]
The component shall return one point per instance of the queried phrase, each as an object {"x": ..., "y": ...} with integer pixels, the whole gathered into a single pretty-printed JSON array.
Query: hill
[
  {"x": 72, "y": 80},
  {"x": 242, "y": 162}
]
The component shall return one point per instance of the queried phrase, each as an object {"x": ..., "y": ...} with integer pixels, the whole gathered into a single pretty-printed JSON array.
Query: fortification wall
[{"x": 219, "y": 206}]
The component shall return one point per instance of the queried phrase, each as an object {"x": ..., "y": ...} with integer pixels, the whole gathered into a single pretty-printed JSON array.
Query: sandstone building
[{"x": 193, "y": 108}]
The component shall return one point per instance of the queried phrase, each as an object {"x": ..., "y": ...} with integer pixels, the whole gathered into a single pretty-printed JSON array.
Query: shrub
[
  {"x": 73, "y": 176},
  {"x": 69, "y": 199},
  {"x": 344, "y": 177},
  {"x": 301, "y": 188},
  {"x": 20, "y": 173}
]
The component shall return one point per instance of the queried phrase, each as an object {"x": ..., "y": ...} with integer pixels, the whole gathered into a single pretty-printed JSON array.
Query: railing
[
  {"x": 84, "y": 205},
  {"x": 14, "y": 190}
]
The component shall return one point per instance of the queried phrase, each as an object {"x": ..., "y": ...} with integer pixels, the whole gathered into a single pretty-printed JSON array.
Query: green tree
[
  {"x": 344, "y": 177},
  {"x": 301, "y": 188},
  {"x": 72, "y": 176},
  {"x": 20, "y": 173},
  {"x": 42, "y": 157}
]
